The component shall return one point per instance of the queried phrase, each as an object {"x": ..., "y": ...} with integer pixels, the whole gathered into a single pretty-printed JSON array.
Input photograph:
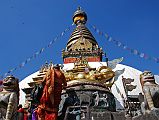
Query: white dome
[{"x": 118, "y": 86}]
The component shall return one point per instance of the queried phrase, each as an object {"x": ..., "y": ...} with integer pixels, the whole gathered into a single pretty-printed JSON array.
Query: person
[
  {"x": 54, "y": 83},
  {"x": 25, "y": 115},
  {"x": 20, "y": 112},
  {"x": 34, "y": 114},
  {"x": 1, "y": 82},
  {"x": 60, "y": 82}
]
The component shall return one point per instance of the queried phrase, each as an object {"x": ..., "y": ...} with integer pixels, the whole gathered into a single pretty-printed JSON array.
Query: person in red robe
[
  {"x": 1, "y": 82},
  {"x": 20, "y": 112},
  {"x": 51, "y": 97},
  {"x": 25, "y": 115}
]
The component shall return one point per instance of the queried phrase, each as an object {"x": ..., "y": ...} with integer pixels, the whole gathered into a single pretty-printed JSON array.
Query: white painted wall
[{"x": 129, "y": 73}]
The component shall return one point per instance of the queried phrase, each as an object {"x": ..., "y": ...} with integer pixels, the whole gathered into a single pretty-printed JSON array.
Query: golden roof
[{"x": 81, "y": 33}]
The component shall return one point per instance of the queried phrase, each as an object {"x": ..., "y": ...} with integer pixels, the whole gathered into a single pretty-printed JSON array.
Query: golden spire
[
  {"x": 81, "y": 33},
  {"x": 79, "y": 16},
  {"x": 81, "y": 42}
]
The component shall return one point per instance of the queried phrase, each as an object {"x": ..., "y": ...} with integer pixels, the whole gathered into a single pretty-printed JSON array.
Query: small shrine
[{"x": 36, "y": 81}]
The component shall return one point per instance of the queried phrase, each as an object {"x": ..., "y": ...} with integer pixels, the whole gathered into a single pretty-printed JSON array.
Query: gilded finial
[
  {"x": 79, "y": 16},
  {"x": 79, "y": 8}
]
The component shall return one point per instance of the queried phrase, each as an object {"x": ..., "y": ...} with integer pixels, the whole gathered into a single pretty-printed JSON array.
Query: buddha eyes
[{"x": 148, "y": 73}]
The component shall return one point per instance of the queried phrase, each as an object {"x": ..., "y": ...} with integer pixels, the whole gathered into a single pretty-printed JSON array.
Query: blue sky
[{"x": 26, "y": 26}]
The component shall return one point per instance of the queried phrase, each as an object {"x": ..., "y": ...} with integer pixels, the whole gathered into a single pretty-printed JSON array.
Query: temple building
[{"x": 99, "y": 86}]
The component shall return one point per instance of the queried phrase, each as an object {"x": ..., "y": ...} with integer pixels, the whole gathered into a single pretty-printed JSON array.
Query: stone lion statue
[
  {"x": 9, "y": 98},
  {"x": 150, "y": 90}
]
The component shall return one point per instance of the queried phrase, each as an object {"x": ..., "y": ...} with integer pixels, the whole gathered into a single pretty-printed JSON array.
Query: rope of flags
[
  {"x": 107, "y": 36},
  {"x": 123, "y": 46},
  {"x": 36, "y": 54}
]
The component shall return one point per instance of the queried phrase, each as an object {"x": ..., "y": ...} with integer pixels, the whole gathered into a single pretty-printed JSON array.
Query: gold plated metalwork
[{"x": 83, "y": 72}]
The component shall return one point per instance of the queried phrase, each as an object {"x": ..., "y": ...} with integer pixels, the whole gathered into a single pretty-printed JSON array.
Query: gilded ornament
[{"x": 81, "y": 76}]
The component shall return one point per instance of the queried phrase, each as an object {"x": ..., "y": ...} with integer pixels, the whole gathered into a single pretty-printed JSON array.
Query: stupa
[{"x": 96, "y": 89}]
